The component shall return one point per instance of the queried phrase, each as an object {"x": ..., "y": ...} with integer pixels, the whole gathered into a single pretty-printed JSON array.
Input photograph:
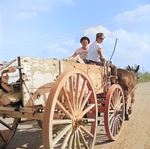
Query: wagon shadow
[
  {"x": 27, "y": 136},
  {"x": 102, "y": 139}
]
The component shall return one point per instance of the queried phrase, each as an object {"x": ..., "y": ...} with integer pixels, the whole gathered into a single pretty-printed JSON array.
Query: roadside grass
[{"x": 144, "y": 77}]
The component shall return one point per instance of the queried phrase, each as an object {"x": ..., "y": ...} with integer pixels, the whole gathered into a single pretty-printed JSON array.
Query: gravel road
[{"x": 135, "y": 133}]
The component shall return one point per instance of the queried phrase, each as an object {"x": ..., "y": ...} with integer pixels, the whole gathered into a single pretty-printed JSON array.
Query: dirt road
[{"x": 135, "y": 133}]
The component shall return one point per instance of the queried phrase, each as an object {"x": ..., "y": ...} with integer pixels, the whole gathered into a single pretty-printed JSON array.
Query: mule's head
[{"x": 134, "y": 71}]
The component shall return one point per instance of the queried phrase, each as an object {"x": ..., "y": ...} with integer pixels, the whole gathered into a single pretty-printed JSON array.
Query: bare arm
[
  {"x": 71, "y": 57},
  {"x": 75, "y": 54},
  {"x": 100, "y": 54}
]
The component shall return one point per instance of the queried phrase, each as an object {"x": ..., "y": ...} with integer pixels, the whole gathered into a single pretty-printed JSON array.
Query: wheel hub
[{"x": 77, "y": 121}]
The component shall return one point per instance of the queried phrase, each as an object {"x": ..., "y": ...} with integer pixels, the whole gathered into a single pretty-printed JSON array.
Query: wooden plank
[
  {"x": 34, "y": 68},
  {"x": 22, "y": 109},
  {"x": 16, "y": 114},
  {"x": 11, "y": 98},
  {"x": 2, "y": 93},
  {"x": 7, "y": 108},
  {"x": 7, "y": 87}
]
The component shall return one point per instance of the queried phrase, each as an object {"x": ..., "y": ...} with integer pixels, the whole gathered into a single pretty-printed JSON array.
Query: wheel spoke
[
  {"x": 63, "y": 132},
  {"x": 120, "y": 105},
  {"x": 69, "y": 104},
  {"x": 78, "y": 140},
  {"x": 120, "y": 117},
  {"x": 111, "y": 111},
  {"x": 74, "y": 141},
  {"x": 83, "y": 140},
  {"x": 87, "y": 109},
  {"x": 70, "y": 142},
  {"x": 63, "y": 109},
  {"x": 113, "y": 99},
  {"x": 82, "y": 92},
  {"x": 119, "y": 99},
  {"x": 86, "y": 131},
  {"x": 112, "y": 106},
  {"x": 112, "y": 121},
  {"x": 111, "y": 116},
  {"x": 85, "y": 100},
  {"x": 6, "y": 125},
  {"x": 2, "y": 137},
  {"x": 119, "y": 123},
  {"x": 60, "y": 121},
  {"x": 77, "y": 91},
  {"x": 112, "y": 128},
  {"x": 117, "y": 94},
  {"x": 115, "y": 126},
  {"x": 66, "y": 139},
  {"x": 71, "y": 87}
]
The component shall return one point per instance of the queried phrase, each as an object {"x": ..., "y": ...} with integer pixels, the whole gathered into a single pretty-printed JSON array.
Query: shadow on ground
[{"x": 27, "y": 136}]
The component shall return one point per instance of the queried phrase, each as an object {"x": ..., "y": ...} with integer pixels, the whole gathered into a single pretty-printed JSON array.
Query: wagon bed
[{"x": 66, "y": 97}]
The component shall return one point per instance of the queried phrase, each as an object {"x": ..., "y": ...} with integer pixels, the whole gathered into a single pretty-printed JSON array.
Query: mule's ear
[
  {"x": 137, "y": 68},
  {"x": 129, "y": 67}
]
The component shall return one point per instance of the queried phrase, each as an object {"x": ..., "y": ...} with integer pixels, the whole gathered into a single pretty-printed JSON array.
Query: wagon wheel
[
  {"x": 114, "y": 111},
  {"x": 71, "y": 100},
  {"x": 8, "y": 128}
]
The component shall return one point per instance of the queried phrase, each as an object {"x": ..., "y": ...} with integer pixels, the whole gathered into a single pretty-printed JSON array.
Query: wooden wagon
[{"x": 68, "y": 99}]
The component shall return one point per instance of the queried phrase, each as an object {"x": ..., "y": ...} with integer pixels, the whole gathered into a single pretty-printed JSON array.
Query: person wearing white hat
[{"x": 95, "y": 55}]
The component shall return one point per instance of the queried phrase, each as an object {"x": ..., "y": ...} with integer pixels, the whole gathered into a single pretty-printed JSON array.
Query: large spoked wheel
[
  {"x": 114, "y": 111},
  {"x": 8, "y": 128},
  {"x": 70, "y": 117}
]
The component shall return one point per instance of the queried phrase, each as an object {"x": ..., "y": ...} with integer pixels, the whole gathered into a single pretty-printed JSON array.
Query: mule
[{"x": 128, "y": 80}]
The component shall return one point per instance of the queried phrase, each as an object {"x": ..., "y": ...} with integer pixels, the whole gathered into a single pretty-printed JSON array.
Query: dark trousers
[{"x": 97, "y": 63}]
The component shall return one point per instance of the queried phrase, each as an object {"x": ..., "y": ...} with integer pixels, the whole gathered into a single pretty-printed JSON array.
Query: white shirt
[{"x": 93, "y": 53}]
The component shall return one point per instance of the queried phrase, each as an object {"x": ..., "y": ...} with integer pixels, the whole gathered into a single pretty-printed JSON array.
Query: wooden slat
[{"x": 15, "y": 114}]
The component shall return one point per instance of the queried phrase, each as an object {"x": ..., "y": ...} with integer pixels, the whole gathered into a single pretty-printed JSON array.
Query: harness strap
[{"x": 132, "y": 90}]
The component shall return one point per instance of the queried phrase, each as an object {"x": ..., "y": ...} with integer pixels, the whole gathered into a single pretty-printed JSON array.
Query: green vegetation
[{"x": 144, "y": 77}]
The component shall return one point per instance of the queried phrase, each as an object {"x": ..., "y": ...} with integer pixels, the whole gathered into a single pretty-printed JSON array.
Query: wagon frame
[{"x": 67, "y": 97}]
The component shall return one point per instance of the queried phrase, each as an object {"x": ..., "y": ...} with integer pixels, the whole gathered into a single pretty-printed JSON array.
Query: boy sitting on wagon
[{"x": 81, "y": 52}]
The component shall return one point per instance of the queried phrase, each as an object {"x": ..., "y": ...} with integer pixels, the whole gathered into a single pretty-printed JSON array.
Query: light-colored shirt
[
  {"x": 80, "y": 50},
  {"x": 93, "y": 52}
]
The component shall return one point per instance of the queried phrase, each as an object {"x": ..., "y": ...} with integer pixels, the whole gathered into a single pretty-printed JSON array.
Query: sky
[{"x": 53, "y": 28}]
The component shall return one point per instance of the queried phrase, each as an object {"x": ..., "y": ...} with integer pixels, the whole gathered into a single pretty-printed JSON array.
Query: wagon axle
[{"x": 77, "y": 122}]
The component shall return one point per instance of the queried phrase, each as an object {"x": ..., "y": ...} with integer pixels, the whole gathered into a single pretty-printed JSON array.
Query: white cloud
[
  {"x": 56, "y": 51},
  {"x": 25, "y": 15},
  {"x": 134, "y": 16},
  {"x": 69, "y": 43},
  {"x": 131, "y": 49},
  {"x": 92, "y": 31},
  {"x": 61, "y": 50},
  {"x": 32, "y": 9}
]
